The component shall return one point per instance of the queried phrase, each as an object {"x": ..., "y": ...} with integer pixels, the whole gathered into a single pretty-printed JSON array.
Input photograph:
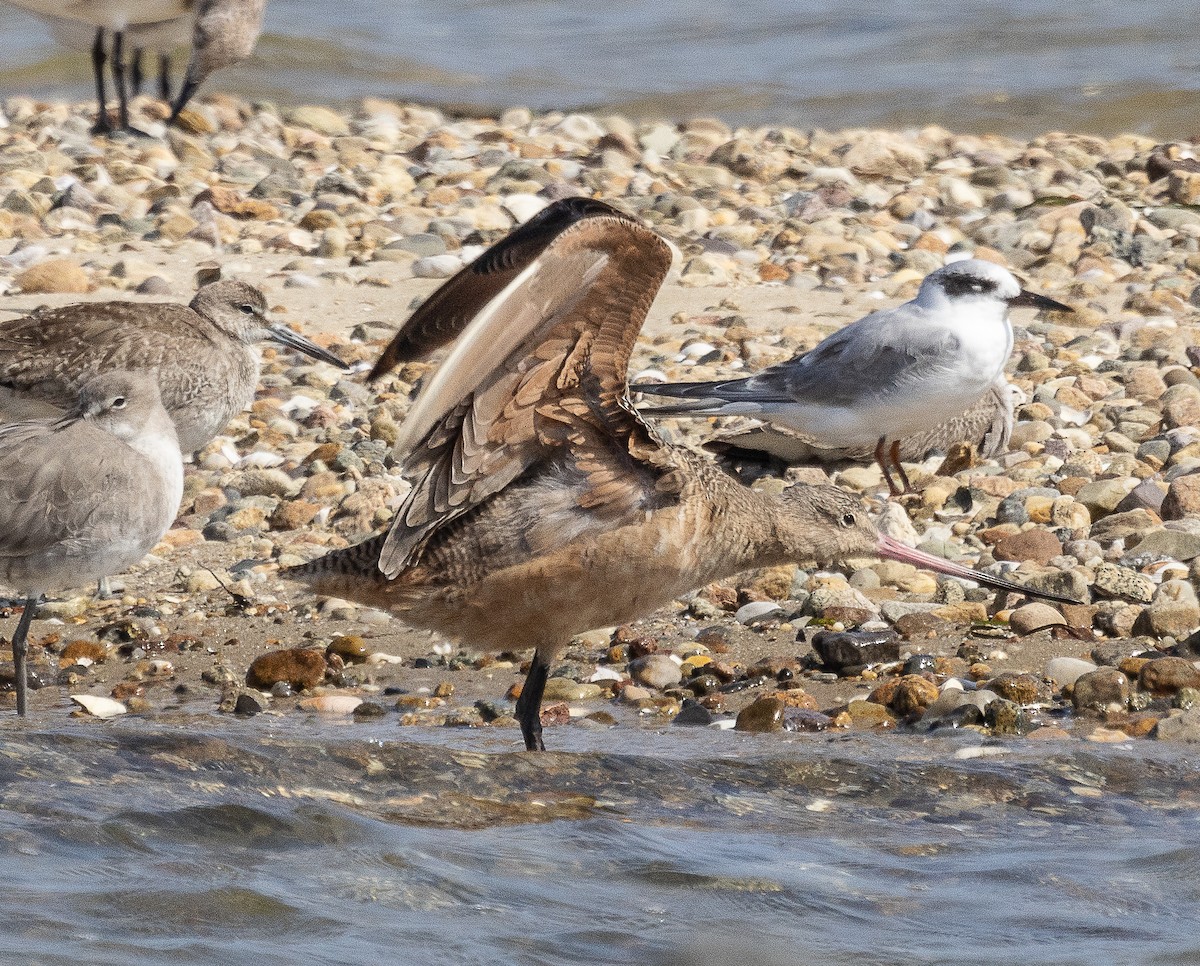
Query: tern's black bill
[{"x": 1034, "y": 301}]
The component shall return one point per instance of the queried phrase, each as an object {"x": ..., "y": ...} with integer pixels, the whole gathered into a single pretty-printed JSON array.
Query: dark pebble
[
  {"x": 919, "y": 664},
  {"x": 369, "y": 709},
  {"x": 802, "y": 719},
  {"x": 847, "y": 652},
  {"x": 693, "y": 713},
  {"x": 246, "y": 706}
]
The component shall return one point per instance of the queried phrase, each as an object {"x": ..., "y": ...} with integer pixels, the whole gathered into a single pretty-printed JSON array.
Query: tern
[{"x": 894, "y": 373}]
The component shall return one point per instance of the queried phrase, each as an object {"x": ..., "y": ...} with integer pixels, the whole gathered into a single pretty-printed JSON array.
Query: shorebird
[
  {"x": 224, "y": 33},
  {"x": 161, "y": 39},
  {"x": 85, "y": 495},
  {"x": 203, "y": 355},
  {"x": 542, "y": 505},
  {"x": 893, "y": 373},
  {"x": 109, "y": 16},
  {"x": 985, "y": 429}
]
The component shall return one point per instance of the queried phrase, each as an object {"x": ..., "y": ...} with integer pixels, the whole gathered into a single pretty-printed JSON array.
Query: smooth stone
[
  {"x": 765, "y": 714},
  {"x": 564, "y": 689},
  {"x": 1029, "y": 618},
  {"x": 99, "y": 706},
  {"x": 656, "y": 671},
  {"x": 1067, "y": 670},
  {"x": 331, "y": 703},
  {"x": 805, "y": 719},
  {"x": 756, "y": 611},
  {"x": 841, "y": 651}
]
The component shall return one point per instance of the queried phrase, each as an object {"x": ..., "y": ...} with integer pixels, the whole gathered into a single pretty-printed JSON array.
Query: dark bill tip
[
  {"x": 294, "y": 340},
  {"x": 894, "y": 550},
  {"x": 1034, "y": 301}
]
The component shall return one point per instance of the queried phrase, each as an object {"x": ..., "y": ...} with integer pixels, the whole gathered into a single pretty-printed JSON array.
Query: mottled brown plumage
[
  {"x": 542, "y": 505},
  {"x": 203, "y": 355}
]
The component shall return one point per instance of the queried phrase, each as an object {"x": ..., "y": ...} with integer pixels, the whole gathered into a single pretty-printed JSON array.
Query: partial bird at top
[
  {"x": 220, "y": 33},
  {"x": 891, "y": 374},
  {"x": 542, "y": 505},
  {"x": 204, "y": 355},
  {"x": 224, "y": 33}
]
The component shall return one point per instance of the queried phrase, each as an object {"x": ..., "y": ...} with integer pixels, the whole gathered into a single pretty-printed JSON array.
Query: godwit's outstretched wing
[{"x": 544, "y": 324}]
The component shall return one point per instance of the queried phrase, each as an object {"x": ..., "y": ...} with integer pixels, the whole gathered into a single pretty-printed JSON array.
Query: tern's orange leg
[
  {"x": 895, "y": 456},
  {"x": 881, "y": 459}
]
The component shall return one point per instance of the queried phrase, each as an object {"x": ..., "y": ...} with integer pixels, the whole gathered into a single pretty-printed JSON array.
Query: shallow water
[
  {"x": 292, "y": 841},
  {"x": 1016, "y": 66}
]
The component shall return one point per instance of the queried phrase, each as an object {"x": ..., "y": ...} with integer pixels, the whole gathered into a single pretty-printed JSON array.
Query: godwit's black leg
[{"x": 529, "y": 704}]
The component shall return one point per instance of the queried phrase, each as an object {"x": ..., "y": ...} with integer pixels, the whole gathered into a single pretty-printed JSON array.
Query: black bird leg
[{"x": 529, "y": 704}]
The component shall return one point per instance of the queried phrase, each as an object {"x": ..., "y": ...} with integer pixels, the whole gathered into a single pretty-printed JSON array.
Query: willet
[
  {"x": 115, "y": 17},
  {"x": 224, "y": 33},
  {"x": 542, "y": 505},
  {"x": 894, "y": 373},
  {"x": 985, "y": 428},
  {"x": 85, "y": 495},
  {"x": 203, "y": 354}
]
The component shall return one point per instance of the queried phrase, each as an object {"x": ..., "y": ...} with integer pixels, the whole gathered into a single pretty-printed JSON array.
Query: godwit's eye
[
  {"x": 848, "y": 519},
  {"x": 247, "y": 308},
  {"x": 118, "y": 403}
]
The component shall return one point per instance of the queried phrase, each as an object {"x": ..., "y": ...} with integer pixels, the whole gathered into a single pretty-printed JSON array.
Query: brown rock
[
  {"x": 54, "y": 275},
  {"x": 1183, "y": 498},
  {"x": 301, "y": 667},
  {"x": 765, "y": 714},
  {"x": 1020, "y": 688},
  {"x": 229, "y": 202},
  {"x": 1035, "y": 544},
  {"x": 1029, "y": 618},
  {"x": 1166, "y": 675},
  {"x": 351, "y": 648},
  {"x": 93, "y": 650},
  {"x": 294, "y": 514},
  {"x": 906, "y": 695},
  {"x": 1100, "y": 689}
]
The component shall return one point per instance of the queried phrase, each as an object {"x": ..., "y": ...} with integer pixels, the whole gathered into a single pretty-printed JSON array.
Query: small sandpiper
[{"x": 85, "y": 495}]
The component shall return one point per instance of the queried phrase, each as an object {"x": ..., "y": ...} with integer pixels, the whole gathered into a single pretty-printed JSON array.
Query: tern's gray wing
[
  {"x": 986, "y": 425},
  {"x": 877, "y": 356},
  {"x": 861, "y": 360}
]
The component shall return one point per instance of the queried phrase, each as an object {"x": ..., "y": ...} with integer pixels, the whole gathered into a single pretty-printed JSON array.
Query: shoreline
[{"x": 345, "y": 217}]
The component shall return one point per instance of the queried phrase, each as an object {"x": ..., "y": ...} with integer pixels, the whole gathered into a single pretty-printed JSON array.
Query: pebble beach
[
  {"x": 863, "y": 765},
  {"x": 348, "y": 218}
]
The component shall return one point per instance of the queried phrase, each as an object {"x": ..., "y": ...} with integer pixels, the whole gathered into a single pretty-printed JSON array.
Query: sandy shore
[{"x": 346, "y": 220}]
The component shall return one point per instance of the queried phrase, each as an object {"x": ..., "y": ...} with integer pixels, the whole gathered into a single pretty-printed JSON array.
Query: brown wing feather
[
  {"x": 448, "y": 310},
  {"x": 567, "y": 330}
]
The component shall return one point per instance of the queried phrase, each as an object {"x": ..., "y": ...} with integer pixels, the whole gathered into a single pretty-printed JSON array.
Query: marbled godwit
[
  {"x": 541, "y": 504},
  {"x": 86, "y": 495},
  {"x": 203, "y": 355},
  {"x": 224, "y": 33},
  {"x": 894, "y": 373}
]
